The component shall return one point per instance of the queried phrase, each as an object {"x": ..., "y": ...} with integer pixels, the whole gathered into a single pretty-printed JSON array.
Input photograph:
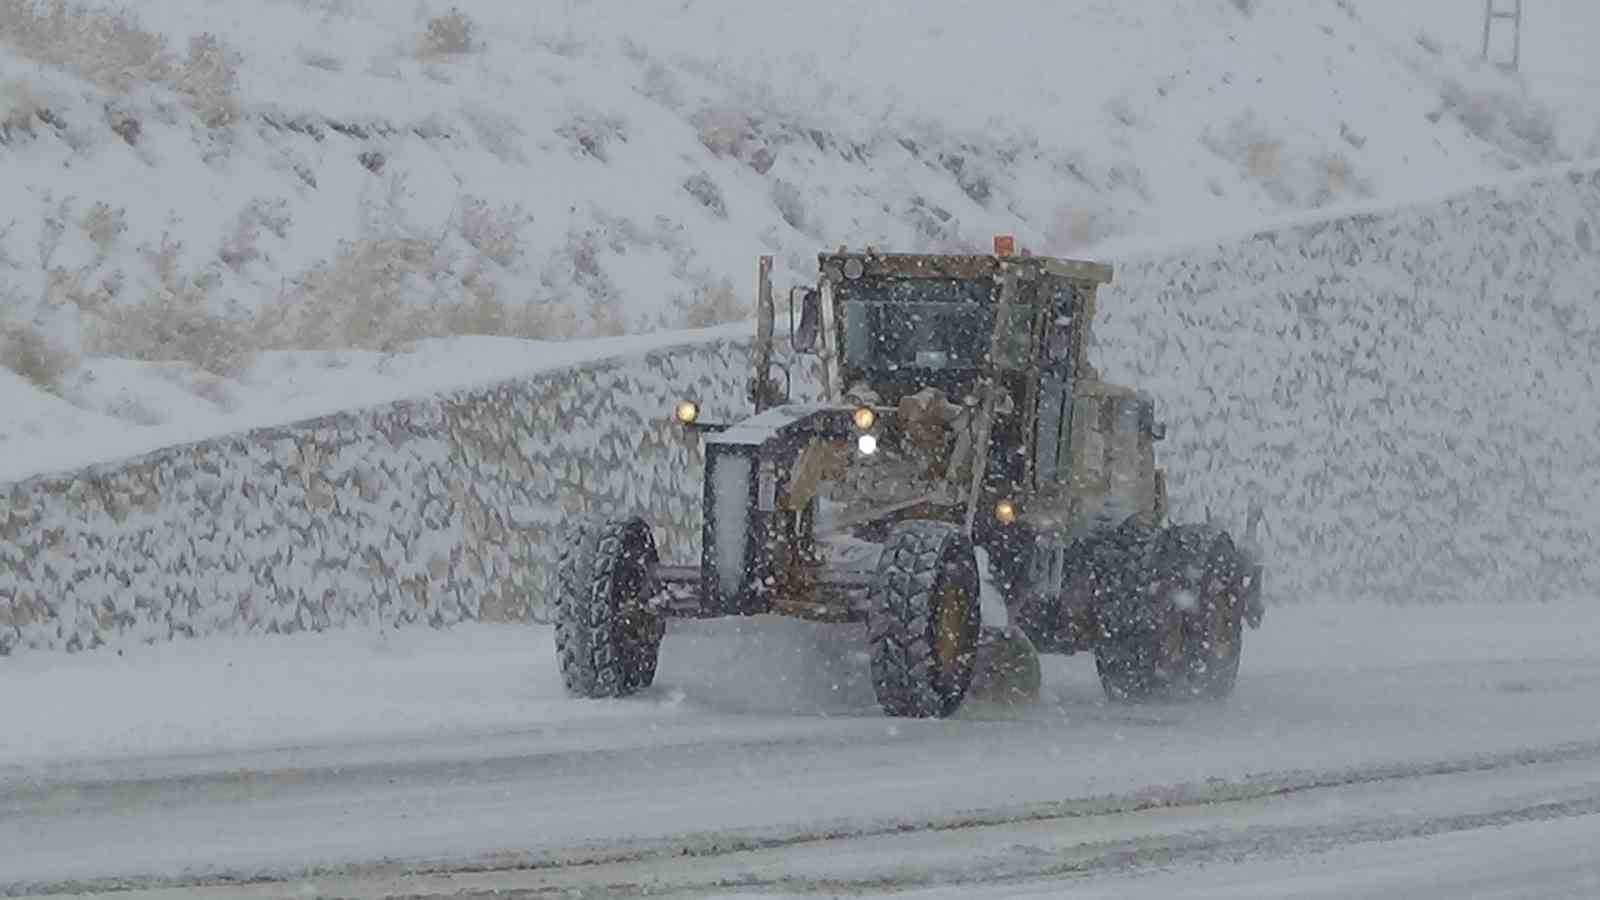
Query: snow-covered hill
[{"x": 199, "y": 181}]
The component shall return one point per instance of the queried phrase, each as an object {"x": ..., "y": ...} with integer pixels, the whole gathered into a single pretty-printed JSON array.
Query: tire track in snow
[
  {"x": 1085, "y": 861},
  {"x": 708, "y": 847}
]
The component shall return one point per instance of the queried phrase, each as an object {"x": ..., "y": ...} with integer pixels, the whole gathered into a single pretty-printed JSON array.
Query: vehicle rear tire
[
  {"x": 1178, "y": 630},
  {"x": 1140, "y": 663},
  {"x": 1214, "y": 630},
  {"x": 1139, "y": 653},
  {"x": 924, "y": 620},
  {"x": 607, "y": 640}
]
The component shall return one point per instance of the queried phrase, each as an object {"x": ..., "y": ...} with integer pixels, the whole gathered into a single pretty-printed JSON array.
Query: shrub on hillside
[
  {"x": 29, "y": 352},
  {"x": 175, "y": 321},
  {"x": 240, "y": 248},
  {"x": 703, "y": 189},
  {"x": 791, "y": 205},
  {"x": 110, "y": 49},
  {"x": 493, "y": 231},
  {"x": 713, "y": 304},
  {"x": 449, "y": 34},
  {"x": 210, "y": 79},
  {"x": 365, "y": 297},
  {"x": 20, "y": 111},
  {"x": 104, "y": 225}
]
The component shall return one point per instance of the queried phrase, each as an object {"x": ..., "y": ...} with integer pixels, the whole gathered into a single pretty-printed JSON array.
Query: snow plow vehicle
[{"x": 962, "y": 440}]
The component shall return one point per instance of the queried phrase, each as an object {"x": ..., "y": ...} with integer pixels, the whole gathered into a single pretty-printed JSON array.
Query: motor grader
[{"x": 961, "y": 439}]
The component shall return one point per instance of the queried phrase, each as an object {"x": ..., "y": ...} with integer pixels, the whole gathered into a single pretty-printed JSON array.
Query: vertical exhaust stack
[{"x": 763, "y": 393}]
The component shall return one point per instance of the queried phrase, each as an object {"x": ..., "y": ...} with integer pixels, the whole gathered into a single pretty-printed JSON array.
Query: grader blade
[{"x": 1008, "y": 672}]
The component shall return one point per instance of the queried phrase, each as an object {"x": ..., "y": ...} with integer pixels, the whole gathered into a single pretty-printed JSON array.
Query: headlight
[
  {"x": 867, "y": 444},
  {"x": 853, "y": 269},
  {"x": 688, "y": 412},
  {"x": 865, "y": 417},
  {"x": 1005, "y": 512}
]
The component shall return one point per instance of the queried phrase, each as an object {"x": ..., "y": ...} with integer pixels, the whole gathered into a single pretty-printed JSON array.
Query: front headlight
[
  {"x": 1005, "y": 512},
  {"x": 864, "y": 418},
  {"x": 688, "y": 412},
  {"x": 867, "y": 444}
]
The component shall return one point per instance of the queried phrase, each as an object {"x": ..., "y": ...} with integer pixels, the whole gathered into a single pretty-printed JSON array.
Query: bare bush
[
  {"x": 240, "y": 248},
  {"x": 175, "y": 321},
  {"x": 77, "y": 288},
  {"x": 51, "y": 229},
  {"x": 492, "y": 231},
  {"x": 272, "y": 214},
  {"x": 593, "y": 135},
  {"x": 359, "y": 298},
  {"x": 702, "y": 188},
  {"x": 110, "y": 49},
  {"x": 1264, "y": 158},
  {"x": 29, "y": 352},
  {"x": 724, "y": 132},
  {"x": 107, "y": 48},
  {"x": 714, "y": 304},
  {"x": 791, "y": 205},
  {"x": 124, "y": 124},
  {"x": 449, "y": 34},
  {"x": 545, "y": 320},
  {"x": 210, "y": 78},
  {"x": 481, "y": 311},
  {"x": 933, "y": 224},
  {"x": 104, "y": 226},
  {"x": 19, "y": 110}
]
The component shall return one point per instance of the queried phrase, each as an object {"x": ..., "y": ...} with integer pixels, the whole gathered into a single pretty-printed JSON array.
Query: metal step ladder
[{"x": 1504, "y": 14}]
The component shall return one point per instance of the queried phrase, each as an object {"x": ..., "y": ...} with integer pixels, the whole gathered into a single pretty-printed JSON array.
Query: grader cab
[{"x": 961, "y": 437}]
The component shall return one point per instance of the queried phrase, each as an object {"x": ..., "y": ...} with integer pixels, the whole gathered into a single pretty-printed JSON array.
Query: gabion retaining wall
[{"x": 1410, "y": 395}]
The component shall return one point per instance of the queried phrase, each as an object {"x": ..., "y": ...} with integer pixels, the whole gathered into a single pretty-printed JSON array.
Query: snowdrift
[{"x": 1408, "y": 392}]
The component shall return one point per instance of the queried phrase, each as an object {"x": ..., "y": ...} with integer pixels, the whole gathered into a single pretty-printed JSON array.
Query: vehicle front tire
[
  {"x": 607, "y": 640},
  {"x": 924, "y": 620}
]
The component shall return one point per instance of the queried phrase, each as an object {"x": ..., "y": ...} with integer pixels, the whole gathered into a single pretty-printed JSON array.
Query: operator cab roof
[{"x": 842, "y": 266}]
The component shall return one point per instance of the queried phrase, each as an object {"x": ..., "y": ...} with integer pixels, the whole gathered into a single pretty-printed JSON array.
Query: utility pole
[{"x": 1496, "y": 12}]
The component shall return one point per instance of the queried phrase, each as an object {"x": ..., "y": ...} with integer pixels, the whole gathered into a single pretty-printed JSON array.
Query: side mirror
[{"x": 803, "y": 337}]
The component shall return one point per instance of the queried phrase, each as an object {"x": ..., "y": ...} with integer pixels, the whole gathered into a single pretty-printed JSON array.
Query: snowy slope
[{"x": 337, "y": 175}]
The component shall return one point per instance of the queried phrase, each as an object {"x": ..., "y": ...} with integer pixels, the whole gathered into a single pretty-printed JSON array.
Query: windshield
[{"x": 948, "y": 326}]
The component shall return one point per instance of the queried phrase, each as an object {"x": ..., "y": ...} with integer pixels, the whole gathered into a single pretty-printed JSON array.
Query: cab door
[{"x": 1057, "y": 364}]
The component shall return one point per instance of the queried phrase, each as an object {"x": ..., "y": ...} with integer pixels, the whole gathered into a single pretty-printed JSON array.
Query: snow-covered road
[{"x": 1394, "y": 740}]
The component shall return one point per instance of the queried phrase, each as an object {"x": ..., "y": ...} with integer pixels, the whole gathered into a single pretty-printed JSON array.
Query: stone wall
[
  {"x": 432, "y": 511},
  {"x": 1411, "y": 395}
]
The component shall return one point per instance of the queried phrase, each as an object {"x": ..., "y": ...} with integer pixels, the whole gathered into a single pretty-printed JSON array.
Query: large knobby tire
[
  {"x": 1214, "y": 629},
  {"x": 1177, "y": 618},
  {"x": 1143, "y": 659},
  {"x": 924, "y": 620},
  {"x": 1139, "y": 653},
  {"x": 607, "y": 640}
]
